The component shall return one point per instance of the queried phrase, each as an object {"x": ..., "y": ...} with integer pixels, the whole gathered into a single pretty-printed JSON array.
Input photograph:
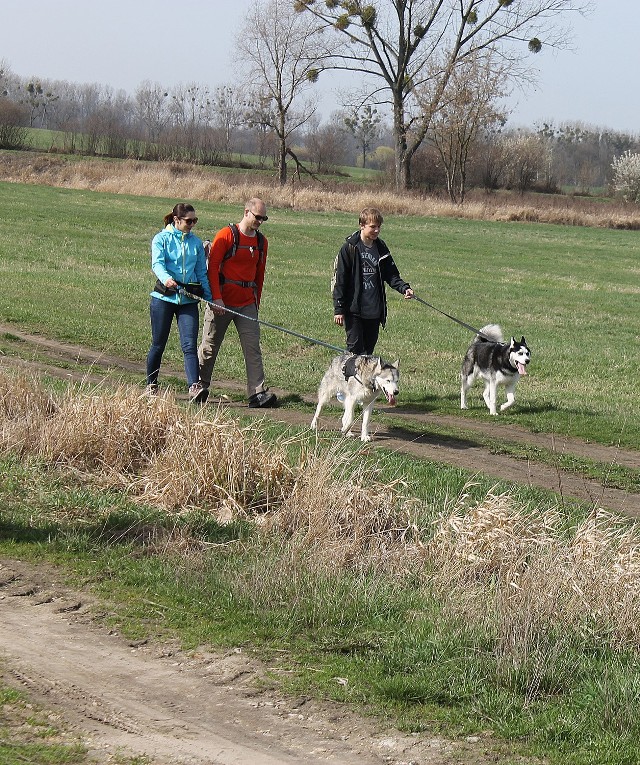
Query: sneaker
[
  {"x": 198, "y": 394},
  {"x": 263, "y": 400},
  {"x": 151, "y": 389}
]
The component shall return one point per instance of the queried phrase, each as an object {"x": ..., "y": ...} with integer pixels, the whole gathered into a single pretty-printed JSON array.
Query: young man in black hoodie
[{"x": 362, "y": 267}]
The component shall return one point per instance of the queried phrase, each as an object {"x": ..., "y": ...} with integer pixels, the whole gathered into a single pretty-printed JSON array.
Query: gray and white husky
[
  {"x": 357, "y": 380},
  {"x": 497, "y": 362}
]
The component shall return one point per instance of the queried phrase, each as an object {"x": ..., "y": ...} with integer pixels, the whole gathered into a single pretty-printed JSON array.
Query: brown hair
[
  {"x": 178, "y": 211},
  {"x": 371, "y": 215}
]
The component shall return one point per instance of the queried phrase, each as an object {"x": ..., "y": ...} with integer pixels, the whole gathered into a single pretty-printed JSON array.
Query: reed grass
[{"x": 206, "y": 184}]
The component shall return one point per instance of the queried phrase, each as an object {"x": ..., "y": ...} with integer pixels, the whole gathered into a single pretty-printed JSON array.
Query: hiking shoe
[
  {"x": 151, "y": 390},
  {"x": 263, "y": 400},
  {"x": 198, "y": 394}
]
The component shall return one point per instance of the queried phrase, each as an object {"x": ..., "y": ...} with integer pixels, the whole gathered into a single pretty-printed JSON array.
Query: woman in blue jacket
[{"x": 177, "y": 258}]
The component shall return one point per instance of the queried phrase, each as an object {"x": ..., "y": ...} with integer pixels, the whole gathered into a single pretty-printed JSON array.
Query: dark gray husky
[{"x": 497, "y": 362}]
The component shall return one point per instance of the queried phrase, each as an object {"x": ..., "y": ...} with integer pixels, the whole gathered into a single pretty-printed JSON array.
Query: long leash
[
  {"x": 183, "y": 291},
  {"x": 453, "y": 318}
]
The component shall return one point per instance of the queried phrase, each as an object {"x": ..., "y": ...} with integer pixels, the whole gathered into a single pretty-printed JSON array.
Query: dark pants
[
  {"x": 362, "y": 334},
  {"x": 188, "y": 321}
]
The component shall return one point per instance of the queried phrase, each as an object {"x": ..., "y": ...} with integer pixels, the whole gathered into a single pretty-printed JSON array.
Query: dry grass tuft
[
  {"x": 111, "y": 433},
  {"x": 210, "y": 461},
  {"x": 191, "y": 182},
  {"x": 24, "y": 406},
  {"x": 350, "y": 519},
  {"x": 494, "y": 559},
  {"x": 523, "y": 577}
]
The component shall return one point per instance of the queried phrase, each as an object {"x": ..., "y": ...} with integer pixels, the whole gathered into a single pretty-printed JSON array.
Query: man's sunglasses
[{"x": 261, "y": 218}]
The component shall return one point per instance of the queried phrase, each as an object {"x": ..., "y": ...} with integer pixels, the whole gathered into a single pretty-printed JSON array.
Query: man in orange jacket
[{"x": 237, "y": 260}]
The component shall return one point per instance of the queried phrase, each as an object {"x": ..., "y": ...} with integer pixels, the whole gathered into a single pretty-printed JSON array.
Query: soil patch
[{"x": 141, "y": 699}]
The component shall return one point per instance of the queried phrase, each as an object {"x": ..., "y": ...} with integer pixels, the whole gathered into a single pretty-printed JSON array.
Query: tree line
[{"x": 429, "y": 111}]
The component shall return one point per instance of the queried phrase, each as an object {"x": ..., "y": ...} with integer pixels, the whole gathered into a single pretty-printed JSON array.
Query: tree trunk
[
  {"x": 403, "y": 162},
  {"x": 282, "y": 162}
]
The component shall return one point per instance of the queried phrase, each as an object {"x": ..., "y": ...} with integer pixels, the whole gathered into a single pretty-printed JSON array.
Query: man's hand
[
  {"x": 339, "y": 319},
  {"x": 217, "y": 307},
  {"x": 408, "y": 293}
]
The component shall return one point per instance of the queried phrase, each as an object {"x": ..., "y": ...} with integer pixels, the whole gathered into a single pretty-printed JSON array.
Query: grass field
[
  {"x": 531, "y": 663},
  {"x": 76, "y": 264}
]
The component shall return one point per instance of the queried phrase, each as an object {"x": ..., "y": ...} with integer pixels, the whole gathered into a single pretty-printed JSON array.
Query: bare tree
[
  {"x": 151, "y": 109},
  {"x": 282, "y": 53},
  {"x": 471, "y": 102},
  {"x": 38, "y": 99},
  {"x": 325, "y": 145},
  {"x": 403, "y": 44},
  {"x": 363, "y": 125},
  {"x": 228, "y": 112},
  {"x": 191, "y": 111},
  {"x": 528, "y": 155}
]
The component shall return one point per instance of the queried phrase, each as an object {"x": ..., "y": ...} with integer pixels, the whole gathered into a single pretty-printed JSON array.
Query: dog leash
[
  {"x": 183, "y": 291},
  {"x": 453, "y": 318}
]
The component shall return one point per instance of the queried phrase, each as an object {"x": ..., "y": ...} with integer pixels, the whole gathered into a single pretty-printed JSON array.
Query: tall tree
[
  {"x": 471, "y": 103},
  {"x": 404, "y": 44},
  {"x": 282, "y": 53},
  {"x": 152, "y": 108}
]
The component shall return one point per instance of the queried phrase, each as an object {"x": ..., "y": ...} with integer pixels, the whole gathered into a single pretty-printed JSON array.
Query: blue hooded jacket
[{"x": 180, "y": 256}]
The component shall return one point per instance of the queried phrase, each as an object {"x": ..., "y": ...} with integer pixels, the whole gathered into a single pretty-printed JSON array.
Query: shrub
[
  {"x": 13, "y": 133},
  {"x": 626, "y": 176}
]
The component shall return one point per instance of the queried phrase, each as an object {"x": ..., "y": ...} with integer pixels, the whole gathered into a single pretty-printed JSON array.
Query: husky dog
[
  {"x": 357, "y": 380},
  {"x": 497, "y": 362}
]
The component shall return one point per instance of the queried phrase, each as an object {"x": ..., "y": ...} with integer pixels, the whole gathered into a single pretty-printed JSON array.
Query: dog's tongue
[
  {"x": 391, "y": 399},
  {"x": 522, "y": 369}
]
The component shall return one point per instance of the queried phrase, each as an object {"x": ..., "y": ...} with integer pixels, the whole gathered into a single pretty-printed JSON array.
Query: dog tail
[{"x": 491, "y": 332}]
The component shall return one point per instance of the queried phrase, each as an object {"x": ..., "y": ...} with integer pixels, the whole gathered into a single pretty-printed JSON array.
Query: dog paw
[{"x": 365, "y": 439}]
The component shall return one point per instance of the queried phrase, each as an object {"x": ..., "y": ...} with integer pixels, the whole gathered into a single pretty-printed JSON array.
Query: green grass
[
  {"x": 28, "y": 736},
  {"x": 75, "y": 266},
  {"x": 573, "y": 703},
  {"x": 81, "y": 272}
]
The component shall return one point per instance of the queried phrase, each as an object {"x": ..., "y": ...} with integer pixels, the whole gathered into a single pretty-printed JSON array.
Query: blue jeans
[{"x": 188, "y": 321}]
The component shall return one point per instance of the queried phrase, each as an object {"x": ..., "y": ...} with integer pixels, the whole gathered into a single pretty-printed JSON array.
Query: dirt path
[
  {"x": 463, "y": 452},
  {"x": 183, "y": 709}
]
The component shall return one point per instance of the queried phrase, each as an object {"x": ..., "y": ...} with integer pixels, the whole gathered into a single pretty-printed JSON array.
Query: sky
[{"x": 123, "y": 43}]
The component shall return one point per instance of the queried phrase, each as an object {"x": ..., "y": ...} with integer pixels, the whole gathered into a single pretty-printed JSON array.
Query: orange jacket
[{"x": 245, "y": 266}]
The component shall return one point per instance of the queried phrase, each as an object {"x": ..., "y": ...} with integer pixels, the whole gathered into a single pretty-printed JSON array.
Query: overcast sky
[{"x": 124, "y": 42}]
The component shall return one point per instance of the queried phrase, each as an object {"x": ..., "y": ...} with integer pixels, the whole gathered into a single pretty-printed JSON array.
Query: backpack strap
[
  {"x": 232, "y": 251},
  {"x": 236, "y": 243}
]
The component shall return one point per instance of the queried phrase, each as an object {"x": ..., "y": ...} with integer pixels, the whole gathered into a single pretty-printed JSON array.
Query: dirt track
[
  {"x": 464, "y": 452},
  {"x": 183, "y": 709}
]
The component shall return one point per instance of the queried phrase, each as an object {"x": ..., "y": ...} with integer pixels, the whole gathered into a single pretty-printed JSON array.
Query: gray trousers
[{"x": 213, "y": 332}]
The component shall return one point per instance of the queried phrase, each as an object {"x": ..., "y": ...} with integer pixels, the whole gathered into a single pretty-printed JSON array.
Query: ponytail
[{"x": 178, "y": 212}]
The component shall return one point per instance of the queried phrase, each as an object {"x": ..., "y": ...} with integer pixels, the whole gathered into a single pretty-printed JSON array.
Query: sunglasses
[
  {"x": 261, "y": 218},
  {"x": 190, "y": 221}
]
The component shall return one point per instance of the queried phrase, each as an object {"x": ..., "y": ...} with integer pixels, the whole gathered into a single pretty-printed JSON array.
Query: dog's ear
[
  {"x": 523, "y": 341},
  {"x": 396, "y": 363},
  {"x": 513, "y": 342}
]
